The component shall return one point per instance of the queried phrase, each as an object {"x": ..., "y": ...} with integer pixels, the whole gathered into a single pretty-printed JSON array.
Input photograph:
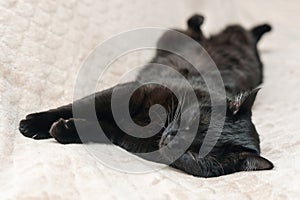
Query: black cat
[{"x": 235, "y": 53}]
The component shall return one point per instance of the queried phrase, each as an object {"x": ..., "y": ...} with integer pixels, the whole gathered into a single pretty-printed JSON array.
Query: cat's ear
[
  {"x": 243, "y": 102},
  {"x": 254, "y": 162}
]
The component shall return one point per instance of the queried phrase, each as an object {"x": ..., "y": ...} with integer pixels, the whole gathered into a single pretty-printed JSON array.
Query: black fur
[{"x": 234, "y": 50}]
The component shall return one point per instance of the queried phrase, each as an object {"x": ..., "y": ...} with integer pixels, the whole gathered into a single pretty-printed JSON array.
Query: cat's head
[
  {"x": 238, "y": 125},
  {"x": 238, "y": 136},
  {"x": 240, "y": 132}
]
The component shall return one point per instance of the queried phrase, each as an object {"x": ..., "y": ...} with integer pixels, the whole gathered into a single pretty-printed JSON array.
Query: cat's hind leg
[
  {"x": 194, "y": 22},
  {"x": 194, "y": 27}
]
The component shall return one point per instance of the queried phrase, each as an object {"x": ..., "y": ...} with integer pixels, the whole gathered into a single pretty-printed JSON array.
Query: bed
[{"x": 42, "y": 47}]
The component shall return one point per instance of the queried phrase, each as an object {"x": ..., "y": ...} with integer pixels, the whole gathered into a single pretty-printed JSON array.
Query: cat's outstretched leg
[
  {"x": 37, "y": 125},
  {"x": 103, "y": 128}
]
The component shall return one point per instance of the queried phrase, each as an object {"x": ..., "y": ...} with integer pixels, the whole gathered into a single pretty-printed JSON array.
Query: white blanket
[{"x": 43, "y": 43}]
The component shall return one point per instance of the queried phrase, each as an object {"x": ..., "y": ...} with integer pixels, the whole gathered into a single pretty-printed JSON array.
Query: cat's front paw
[
  {"x": 64, "y": 131},
  {"x": 35, "y": 126}
]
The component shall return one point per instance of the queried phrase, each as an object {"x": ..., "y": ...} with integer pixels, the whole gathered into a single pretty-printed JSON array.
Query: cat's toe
[
  {"x": 24, "y": 128},
  {"x": 31, "y": 128}
]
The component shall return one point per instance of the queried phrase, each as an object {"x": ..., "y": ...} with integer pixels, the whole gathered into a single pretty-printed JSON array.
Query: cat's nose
[{"x": 166, "y": 138}]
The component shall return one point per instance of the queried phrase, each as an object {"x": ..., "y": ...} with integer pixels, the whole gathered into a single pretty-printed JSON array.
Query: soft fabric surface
[{"x": 42, "y": 46}]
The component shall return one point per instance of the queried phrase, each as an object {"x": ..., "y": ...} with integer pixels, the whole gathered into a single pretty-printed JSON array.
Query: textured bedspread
[{"x": 43, "y": 43}]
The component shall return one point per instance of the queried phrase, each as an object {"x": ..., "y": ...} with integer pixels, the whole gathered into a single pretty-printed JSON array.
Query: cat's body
[{"x": 235, "y": 53}]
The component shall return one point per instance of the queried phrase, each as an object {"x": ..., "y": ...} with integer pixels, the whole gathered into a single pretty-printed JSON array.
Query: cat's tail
[{"x": 259, "y": 31}]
